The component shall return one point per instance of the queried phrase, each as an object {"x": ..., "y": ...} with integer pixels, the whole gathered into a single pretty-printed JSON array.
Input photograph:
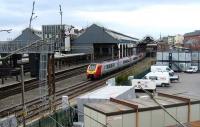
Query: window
[
  {"x": 153, "y": 77},
  {"x": 92, "y": 67},
  {"x": 125, "y": 61},
  {"x": 109, "y": 66},
  {"x": 134, "y": 58}
]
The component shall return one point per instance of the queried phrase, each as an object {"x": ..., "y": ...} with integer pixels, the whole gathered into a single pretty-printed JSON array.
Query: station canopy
[{"x": 98, "y": 34}]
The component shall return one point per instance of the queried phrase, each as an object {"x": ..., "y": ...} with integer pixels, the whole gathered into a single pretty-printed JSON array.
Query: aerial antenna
[{"x": 32, "y": 14}]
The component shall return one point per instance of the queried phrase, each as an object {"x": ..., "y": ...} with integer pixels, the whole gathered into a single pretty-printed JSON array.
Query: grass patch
[{"x": 138, "y": 71}]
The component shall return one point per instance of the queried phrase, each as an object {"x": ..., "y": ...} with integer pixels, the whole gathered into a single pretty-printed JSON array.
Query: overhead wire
[{"x": 152, "y": 97}]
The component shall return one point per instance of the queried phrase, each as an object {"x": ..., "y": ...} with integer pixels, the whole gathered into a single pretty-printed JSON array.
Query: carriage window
[
  {"x": 134, "y": 58},
  {"x": 92, "y": 67},
  {"x": 109, "y": 66},
  {"x": 125, "y": 61}
]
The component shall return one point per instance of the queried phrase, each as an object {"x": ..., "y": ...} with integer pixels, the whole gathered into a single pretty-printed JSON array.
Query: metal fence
[{"x": 61, "y": 118}]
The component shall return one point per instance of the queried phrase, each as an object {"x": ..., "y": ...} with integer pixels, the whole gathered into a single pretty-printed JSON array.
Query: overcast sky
[{"x": 136, "y": 18}]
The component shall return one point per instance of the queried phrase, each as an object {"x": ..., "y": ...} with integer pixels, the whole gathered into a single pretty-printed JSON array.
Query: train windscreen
[{"x": 92, "y": 67}]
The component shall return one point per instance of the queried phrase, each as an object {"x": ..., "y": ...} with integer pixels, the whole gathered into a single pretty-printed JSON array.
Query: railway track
[
  {"x": 34, "y": 83},
  {"x": 37, "y": 107}
]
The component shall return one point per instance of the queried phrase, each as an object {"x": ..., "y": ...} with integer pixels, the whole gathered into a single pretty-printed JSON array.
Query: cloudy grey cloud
[{"x": 115, "y": 14}]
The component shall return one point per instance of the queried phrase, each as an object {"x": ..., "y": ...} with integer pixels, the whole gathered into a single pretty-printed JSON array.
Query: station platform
[
  {"x": 70, "y": 67},
  {"x": 11, "y": 81}
]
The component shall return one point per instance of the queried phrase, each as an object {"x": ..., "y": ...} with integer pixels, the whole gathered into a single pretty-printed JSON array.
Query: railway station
[
  {"x": 75, "y": 72},
  {"x": 101, "y": 42},
  {"x": 86, "y": 48}
]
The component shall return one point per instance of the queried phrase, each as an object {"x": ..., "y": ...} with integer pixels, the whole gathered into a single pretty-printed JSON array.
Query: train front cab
[{"x": 94, "y": 71}]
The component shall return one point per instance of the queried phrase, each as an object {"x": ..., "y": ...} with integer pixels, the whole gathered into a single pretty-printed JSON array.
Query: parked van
[
  {"x": 161, "y": 78},
  {"x": 155, "y": 68},
  {"x": 192, "y": 69},
  {"x": 144, "y": 83}
]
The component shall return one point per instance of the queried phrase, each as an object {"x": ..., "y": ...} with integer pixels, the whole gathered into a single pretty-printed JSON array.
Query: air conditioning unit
[{"x": 78, "y": 124}]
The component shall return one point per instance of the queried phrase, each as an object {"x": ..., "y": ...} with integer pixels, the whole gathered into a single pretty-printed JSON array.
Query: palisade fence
[
  {"x": 61, "y": 118},
  {"x": 177, "y": 60}
]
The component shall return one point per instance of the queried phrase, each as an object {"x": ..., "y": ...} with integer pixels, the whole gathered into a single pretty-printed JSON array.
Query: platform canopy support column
[{"x": 119, "y": 51}]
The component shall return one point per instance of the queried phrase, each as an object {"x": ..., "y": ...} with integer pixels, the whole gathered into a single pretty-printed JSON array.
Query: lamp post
[{"x": 8, "y": 30}]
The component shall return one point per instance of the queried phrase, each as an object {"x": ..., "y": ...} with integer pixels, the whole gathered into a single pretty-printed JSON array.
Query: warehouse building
[{"x": 101, "y": 42}]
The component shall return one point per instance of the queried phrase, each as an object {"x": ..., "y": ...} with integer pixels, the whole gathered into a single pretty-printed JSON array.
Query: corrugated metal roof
[
  {"x": 119, "y": 36},
  {"x": 98, "y": 34}
]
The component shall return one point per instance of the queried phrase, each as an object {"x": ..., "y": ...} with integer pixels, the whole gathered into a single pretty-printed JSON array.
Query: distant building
[
  {"x": 61, "y": 35},
  {"x": 28, "y": 36},
  {"x": 178, "y": 39},
  {"x": 164, "y": 40},
  {"x": 171, "y": 40},
  {"x": 163, "y": 45},
  {"x": 192, "y": 40}
]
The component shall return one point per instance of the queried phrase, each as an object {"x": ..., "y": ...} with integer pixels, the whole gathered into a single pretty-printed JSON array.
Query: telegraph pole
[{"x": 23, "y": 91}]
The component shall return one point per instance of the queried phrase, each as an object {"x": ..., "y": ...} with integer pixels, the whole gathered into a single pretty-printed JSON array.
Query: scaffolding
[{"x": 44, "y": 48}]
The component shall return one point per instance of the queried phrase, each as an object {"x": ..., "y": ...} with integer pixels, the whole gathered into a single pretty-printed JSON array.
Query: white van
[
  {"x": 144, "y": 83},
  {"x": 155, "y": 68},
  {"x": 161, "y": 78},
  {"x": 192, "y": 69}
]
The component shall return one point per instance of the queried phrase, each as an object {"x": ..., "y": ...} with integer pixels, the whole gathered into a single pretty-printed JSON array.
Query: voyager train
[{"x": 96, "y": 70}]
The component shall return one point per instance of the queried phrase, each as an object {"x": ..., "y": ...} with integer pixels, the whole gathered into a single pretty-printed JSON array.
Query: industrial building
[
  {"x": 143, "y": 112},
  {"x": 178, "y": 60},
  {"x": 104, "y": 94},
  {"x": 102, "y": 42}
]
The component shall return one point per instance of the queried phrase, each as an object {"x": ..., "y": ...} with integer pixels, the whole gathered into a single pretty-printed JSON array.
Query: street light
[{"x": 8, "y": 30}]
